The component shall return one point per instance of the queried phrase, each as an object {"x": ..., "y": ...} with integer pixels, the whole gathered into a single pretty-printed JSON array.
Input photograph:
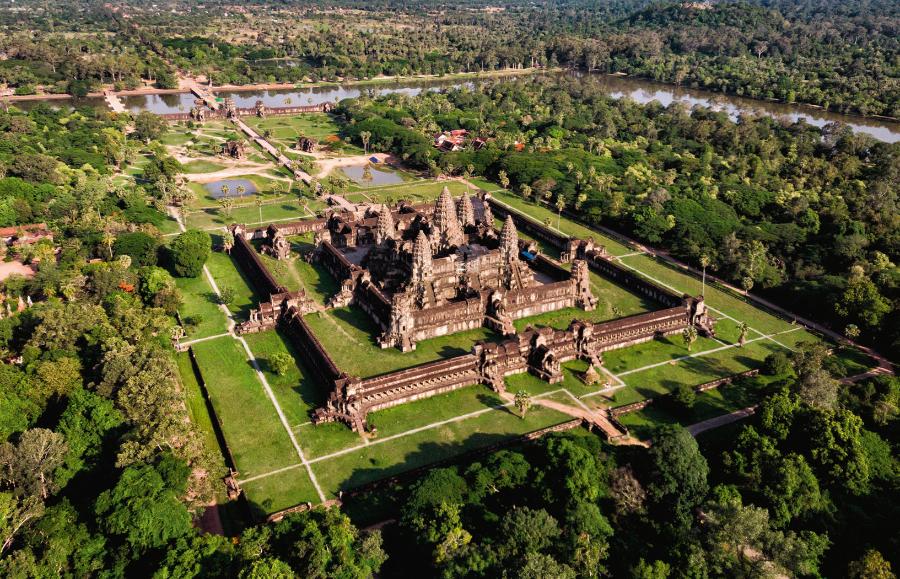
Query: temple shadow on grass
[
  {"x": 427, "y": 456},
  {"x": 310, "y": 391},
  {"x": 490, "y": 401}
]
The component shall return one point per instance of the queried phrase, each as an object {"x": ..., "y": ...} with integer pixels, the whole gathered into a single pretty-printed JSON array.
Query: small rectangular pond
[
  {"x": 370, "y": 176},
  {"x": 229, "y": 187}
]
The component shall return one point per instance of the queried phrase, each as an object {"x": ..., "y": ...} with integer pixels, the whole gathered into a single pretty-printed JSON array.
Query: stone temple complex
[{"x": 430, "y": 270}]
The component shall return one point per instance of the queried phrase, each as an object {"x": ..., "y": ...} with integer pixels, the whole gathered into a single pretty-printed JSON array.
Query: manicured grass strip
[
  {"x": 571, "y": 381},
  {"x": 196, "y": 403},
  {"x": 322, "y": 439},
  {"x": 419, "y": 191},
  {"x": 715, "y": 298},
  {"x": 296, "y": 273},
  {"x": 280, "y": 491},
  {"x": 717, "y": 402},
  {"x": 348, "y": 335},
  {"x": 297, "y": 393},
  {"x": 698, "y": 370},
  {"x": 199, "y": 302},
  {"x": 227, "y": 274},
  {"x": 567, "y": 226},
  {"x": 405, "y": 417},
  {"x": 652, "y": 352},
  {"x": 254, "y": 434},
  {"x": 201, "y": 166},
  {"x": 285, "y": 209},
  {"x": 397, "y": 455}
]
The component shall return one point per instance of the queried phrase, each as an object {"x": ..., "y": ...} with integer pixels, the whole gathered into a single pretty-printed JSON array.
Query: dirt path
[
  {"x": 718, "y": 421},
  {"x": 238, "y": 171},
  {"x": 326, "y": 166}
]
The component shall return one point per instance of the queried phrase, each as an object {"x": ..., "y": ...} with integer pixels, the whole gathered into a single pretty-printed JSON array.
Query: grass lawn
[
  {"x": 720, "y": 300},
  {"x": 256, "y": 437},
  {"x": 348, "y": 334},
  {"x": 199, "y": 301},
  {"x": 196, "y": 404},
  {"x": 722, "y": 400},
  {"x": 248, "y": 213},
  {"x": 566, "y": 226},
  {"x": 226, "y": 273},
  {"x": 297, "y": 273},
  {"x": 281, "y": 490},
  {"x": 201, "y": 166},
  {"x": 297, "y": 393},
  {"x": 418, "y": 191},
  {"x": 377, "y": 460}
]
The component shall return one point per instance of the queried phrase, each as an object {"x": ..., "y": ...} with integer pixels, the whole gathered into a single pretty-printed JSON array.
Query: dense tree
[
  {"x": 189, "y": 252},
  {"x": 678, "y": 484}
]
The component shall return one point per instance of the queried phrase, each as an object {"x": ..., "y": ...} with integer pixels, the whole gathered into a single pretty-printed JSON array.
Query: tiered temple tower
[
  {"x": 422, "y": 268},
  {"x": 384, "y": 227},
  {"x": 447, "y": 231},
  {"x": 465, "y": 213},
  {"x": 510, "y": 264}
]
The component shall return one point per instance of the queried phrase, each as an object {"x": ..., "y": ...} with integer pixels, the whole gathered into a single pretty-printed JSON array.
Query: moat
[{"x": 639, "y": 90}]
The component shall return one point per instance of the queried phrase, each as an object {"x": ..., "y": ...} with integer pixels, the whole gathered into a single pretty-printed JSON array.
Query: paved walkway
[
  {"x": 270, "y": 149},
  {"x": 201, "y": 92},
  {"x": 718, "y": 421},
  {"x": 114, "y": 102},
  {"x": 581, "y": 411}
]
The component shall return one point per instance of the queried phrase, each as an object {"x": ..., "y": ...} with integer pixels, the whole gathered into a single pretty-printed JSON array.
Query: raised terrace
[{"x": 427, "y": 271}]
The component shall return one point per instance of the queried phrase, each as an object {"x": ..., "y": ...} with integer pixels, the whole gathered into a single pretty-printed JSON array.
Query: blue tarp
[
  {"x": 528, "y": 255},
  {"x": 373, "y": 159}
]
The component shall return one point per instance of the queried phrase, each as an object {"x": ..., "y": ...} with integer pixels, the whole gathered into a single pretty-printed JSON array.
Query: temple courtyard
[{"x": 282, "y": 459}]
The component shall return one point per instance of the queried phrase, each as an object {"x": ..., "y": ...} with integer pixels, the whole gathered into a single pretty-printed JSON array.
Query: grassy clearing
[
  {"x": 296, "y": 273},
  {"x": 281, "y": 490},
  {"x": 384, "y": 459},
  {"x": 248, "y": 213},
  {"x": 254, "y": 434},
  {"x": 567, "y": 226},
  {"x": 226, "y": 273},
  {"x": 419, "y": 191},
  {"x": 200, "y": 302},
  {"x": 297, "y": 393},
  {"x": 348, "y": 335},
  {"x": 196, "y": 404},
  {"x": 697, "y": 370},
  {"x": 715, "y": 298},
  {"x": 653, "y": 352},
  {"x": 201, "y": 166}
]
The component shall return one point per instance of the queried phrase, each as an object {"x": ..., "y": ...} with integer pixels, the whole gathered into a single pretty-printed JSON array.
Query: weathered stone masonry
[{"x": 421, "y": 272}]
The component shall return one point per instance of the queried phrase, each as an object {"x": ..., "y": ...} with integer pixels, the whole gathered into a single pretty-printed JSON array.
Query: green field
[
  {"x": 296, "y": 273},
  {"x": 200, "y": 303},
  {"x": 349, "y": 334},
  {"x": 283, "y": 131},
  {"x": 417, "y": 191},
  {"x": 422, "y": 432}
]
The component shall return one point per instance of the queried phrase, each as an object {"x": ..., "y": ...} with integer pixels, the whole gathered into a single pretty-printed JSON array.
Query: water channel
[{"x": 641, "y": 91}]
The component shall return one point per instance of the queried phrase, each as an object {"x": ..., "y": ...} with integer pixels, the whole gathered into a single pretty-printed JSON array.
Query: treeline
[
  {"x": 808, "y": 490},
  {"x": 839, "y": 56},
  {"x": 803, "y": 215},
  {"x": 102, "y": 472}
]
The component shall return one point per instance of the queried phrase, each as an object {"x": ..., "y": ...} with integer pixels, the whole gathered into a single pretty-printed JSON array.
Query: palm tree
[
  {"x": 522, "y": 402},
  {"x": 560, "y": 205},
  {"x": 526, "y": 191},
  {"x": 704, "y": 263},
  {"x": 364, "y": 137},
  {"x": 742, "y": 338},
  {"x": 689, "y": 335},
  {"x": 224, "y": 190},
  {"x": 240, "y": 191},
  {"x": 259, "y": 204},
  {"x": 108, "y": 240}
]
